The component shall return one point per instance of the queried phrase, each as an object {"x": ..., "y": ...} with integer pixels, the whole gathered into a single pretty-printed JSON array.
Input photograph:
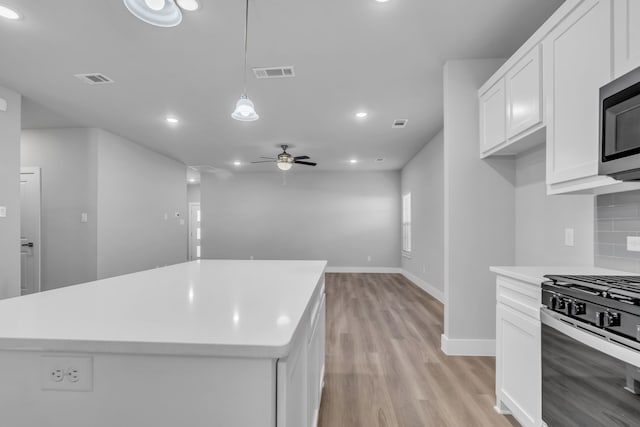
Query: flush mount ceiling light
[
  {"x": 362, "y": 114},
  {"x": 7, "y": 12},
  {"x": 245, "y": 111},
  {"x": 353, "y": 161},
  {"x": 237, "y": 163},
  {"x": 172, "y": 120},
  {"x": 161, "y": 13}
]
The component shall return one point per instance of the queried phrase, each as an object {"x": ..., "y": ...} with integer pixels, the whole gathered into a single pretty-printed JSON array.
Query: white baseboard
[
  {"x": 427, "y": 287},
  {"x": 467, "y": 347},
  {"x": 362, "y": 270}
]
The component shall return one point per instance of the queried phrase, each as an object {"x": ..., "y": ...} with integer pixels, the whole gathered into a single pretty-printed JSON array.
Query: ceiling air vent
[
  {"x": 94, "y": 78},
  {"x": 274, "y": 72},
  {"x": 399, "y": 123}
]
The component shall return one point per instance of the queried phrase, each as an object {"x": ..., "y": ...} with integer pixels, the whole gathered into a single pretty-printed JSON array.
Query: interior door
[
  {"x": 195, "y": 231},
  {"x": 30, "y": 230}
]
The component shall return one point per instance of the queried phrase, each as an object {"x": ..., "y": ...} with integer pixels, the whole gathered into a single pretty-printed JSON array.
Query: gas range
[{"x": 611, "y": 303}]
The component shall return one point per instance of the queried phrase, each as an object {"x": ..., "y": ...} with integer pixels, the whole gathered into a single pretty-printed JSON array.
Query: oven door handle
[{"x": 591, "y": 336}]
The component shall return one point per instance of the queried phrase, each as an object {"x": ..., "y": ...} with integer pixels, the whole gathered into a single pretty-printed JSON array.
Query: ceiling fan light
[
  {"x": 245, "y": 111},
  {"x": 284, "y": 166},
  {"x": 188, "y": 5},
  {"x": 167, "y": 16}
]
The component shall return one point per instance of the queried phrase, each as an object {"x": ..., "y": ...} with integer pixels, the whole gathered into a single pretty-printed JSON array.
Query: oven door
[{"x": 588, "y": 380}]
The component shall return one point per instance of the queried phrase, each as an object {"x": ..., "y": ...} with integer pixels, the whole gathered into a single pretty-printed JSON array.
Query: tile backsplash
[{"x": 617, "y": 217}]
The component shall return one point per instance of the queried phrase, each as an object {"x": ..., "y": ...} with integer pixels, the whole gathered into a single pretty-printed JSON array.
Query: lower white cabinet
[{"x": 518, "y": 366}]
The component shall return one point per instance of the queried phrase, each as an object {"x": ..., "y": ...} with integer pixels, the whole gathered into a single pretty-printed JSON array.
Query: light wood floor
[{"x": 384, "y": 366}]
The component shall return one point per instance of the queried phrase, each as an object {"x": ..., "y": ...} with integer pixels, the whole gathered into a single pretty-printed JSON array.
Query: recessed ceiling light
[
  {"x": 379, "y": 160},
  {"x": 9, "y": 13},
  {"x": 189, "y": 5},
  {"x": 382, "y": 1},
  {"x": 172, "y": 120},
  {"x": 192, "y": 180},
  {"x": 361, "y": 114},
  {"x": 352, "y": 161},
  {"x": 237, "y": 163}
]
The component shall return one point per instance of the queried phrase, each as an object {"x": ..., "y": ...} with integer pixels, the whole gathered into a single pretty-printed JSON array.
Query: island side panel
[{"x": 134, "y": 390}]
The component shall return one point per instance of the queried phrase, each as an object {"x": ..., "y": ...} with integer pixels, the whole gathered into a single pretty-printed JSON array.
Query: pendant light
[
  {"x": 245, "y": 111},
  {"x": 161, "y": 13}
]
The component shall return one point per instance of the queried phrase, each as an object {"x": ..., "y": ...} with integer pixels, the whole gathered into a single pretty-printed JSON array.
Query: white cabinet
[
  {"x": 577, "y": 61},
  {"x": 316, "y": 363},
  {"x": 493, "y": 118},
  {"x": 626, "y": 27},
  {"x": 518, "y": 357},
  {"x": 524, "y": 95},
  {"x": 511, "y": 108}
]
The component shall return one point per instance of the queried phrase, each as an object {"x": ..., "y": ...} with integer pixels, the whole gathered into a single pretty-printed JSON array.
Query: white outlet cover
[
  {"x": 3, "y": 211},
  {"x": 633, "y": 243},
  {"x": 568, "y": 236},
  {"x": 78, "y": 373},
  {"x": 84, "y": 217},
  {"x": 3, "y": 104}
]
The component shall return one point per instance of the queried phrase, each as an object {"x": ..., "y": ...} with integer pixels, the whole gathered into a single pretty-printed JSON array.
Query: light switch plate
[
  {"x": 633, "y": 243},
  {"x": 568, "y": 236},
  {"x": 3, "y": 212},
  {"x": 84, "y": 217},
  {"x": 3, "y": 104}
]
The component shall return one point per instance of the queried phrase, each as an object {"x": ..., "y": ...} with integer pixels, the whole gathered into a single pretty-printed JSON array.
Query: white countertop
[
  {"x": 208, "y": 307},
  {"x": 535, "y": 274}
]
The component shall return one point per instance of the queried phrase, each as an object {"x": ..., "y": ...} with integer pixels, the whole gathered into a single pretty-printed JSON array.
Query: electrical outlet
[
  {"x": 3, "y": 211},
  {"x": 568, "y": 236},
  {"x": 84, "y": 217},
  {"x": 633, "y": 243},
  {"x": 66, "y": 373},
  {"x": 369, "y": 258}
]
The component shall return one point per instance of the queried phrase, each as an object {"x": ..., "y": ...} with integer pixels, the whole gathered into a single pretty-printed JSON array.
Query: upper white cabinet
[
  {"x": 492, "y": 118},
  {"x": 524, "y": 94},
  {"x": 626, "y": 27},
  {"x": 577, "y": 61}
]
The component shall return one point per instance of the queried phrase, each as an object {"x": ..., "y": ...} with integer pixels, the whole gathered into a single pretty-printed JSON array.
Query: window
[{"x": 406, "y": 223}]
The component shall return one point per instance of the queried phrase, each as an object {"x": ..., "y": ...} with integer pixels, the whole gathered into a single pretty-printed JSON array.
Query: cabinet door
[
  {"x": 524, "y": 94},
  {"x": 518, "y": 365},
  {"x": 292, "y": 400},
  {"x": 492, "y": 117},
  {"x": 626, "y": 25},
  {"x": 577, "y": 61},
  {"x": 316, "y": 364}
]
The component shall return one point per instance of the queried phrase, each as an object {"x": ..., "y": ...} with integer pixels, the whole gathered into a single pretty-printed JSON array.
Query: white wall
[
  {"x": 67, "y": 158},
  {"x": 136, "y": 188},
  {"x": 479, "y": 213},
  {"x": 423, "y": 177},
  {"x": 342, "y": 217},
  {"x": 193, "y": 193},
  {"x": 541, "y": 219},
  {"x": 10, "y": 194}
]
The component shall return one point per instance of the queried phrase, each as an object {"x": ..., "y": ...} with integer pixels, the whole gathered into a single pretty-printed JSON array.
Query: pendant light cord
[{"x": 246, "y": 31}]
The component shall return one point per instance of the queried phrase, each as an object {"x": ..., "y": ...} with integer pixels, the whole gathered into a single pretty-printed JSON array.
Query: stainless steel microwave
[{"x": 620, "y": 128}]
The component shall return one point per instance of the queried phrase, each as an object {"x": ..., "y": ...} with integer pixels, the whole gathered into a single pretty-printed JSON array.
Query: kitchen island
[{"x": 204, "y": 343}]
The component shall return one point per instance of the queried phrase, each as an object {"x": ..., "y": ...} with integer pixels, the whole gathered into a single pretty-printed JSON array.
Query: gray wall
[
  {"x": 479, "y": 207},
  {"x": 193, "y": 193},
  {"x": 67, "y": 158},
  {"x": 541, "y": 219},
  {"x": 342, "y": 217},
  {"x": 617, "y": 216},
  {"x": 10, "y": 194},
  {"x": 136, "y": 189},
  {"x": 423, "y": 176}
]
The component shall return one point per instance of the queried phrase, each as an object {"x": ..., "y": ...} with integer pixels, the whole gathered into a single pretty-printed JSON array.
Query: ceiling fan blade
[
  {"x": 265, "y": 161},
  {"x": 270, "y": 158},
  {"x": 305, "y": 163},
  {"x": 301, "y": 158}
]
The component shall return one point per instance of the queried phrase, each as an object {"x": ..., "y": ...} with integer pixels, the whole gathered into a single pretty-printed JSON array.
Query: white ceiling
[{"x": 349, "y": 55}]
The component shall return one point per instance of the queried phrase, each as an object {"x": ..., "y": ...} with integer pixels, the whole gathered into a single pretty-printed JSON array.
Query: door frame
[
  {"x": 38, "y": 235},
  {"x": 190, "y": 255}
]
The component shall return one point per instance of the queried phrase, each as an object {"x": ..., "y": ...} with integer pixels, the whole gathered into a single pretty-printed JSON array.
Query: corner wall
[
  {"x": 479, "y": 212},
  {"x": 423, "y": 177},
  {"x": 10, "y": 124},
  {"x": 67, "y": 162},
  {"x": 342, "y": 217}
]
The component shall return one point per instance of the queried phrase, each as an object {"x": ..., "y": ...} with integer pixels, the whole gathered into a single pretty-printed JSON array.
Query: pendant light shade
[
  {"x": 155, "y": 12},
  {"x": 245, "y": 111}
]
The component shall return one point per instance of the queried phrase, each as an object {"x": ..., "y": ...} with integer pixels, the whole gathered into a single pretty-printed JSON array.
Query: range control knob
[
  {"x": 611, "y": 318},
  {"x": 599, "y": 320},
  {"x": 578, "y": 308},
  {"x": 557, "y": 303},
  {"x": 568, "y": 304}
]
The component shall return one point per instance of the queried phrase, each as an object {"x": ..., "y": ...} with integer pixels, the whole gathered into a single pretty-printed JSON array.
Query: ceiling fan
[{"x": 285, "y": 161}]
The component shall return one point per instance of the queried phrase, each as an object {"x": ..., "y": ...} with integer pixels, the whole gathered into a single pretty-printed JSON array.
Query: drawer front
[{"x": 521, "y": 296}]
